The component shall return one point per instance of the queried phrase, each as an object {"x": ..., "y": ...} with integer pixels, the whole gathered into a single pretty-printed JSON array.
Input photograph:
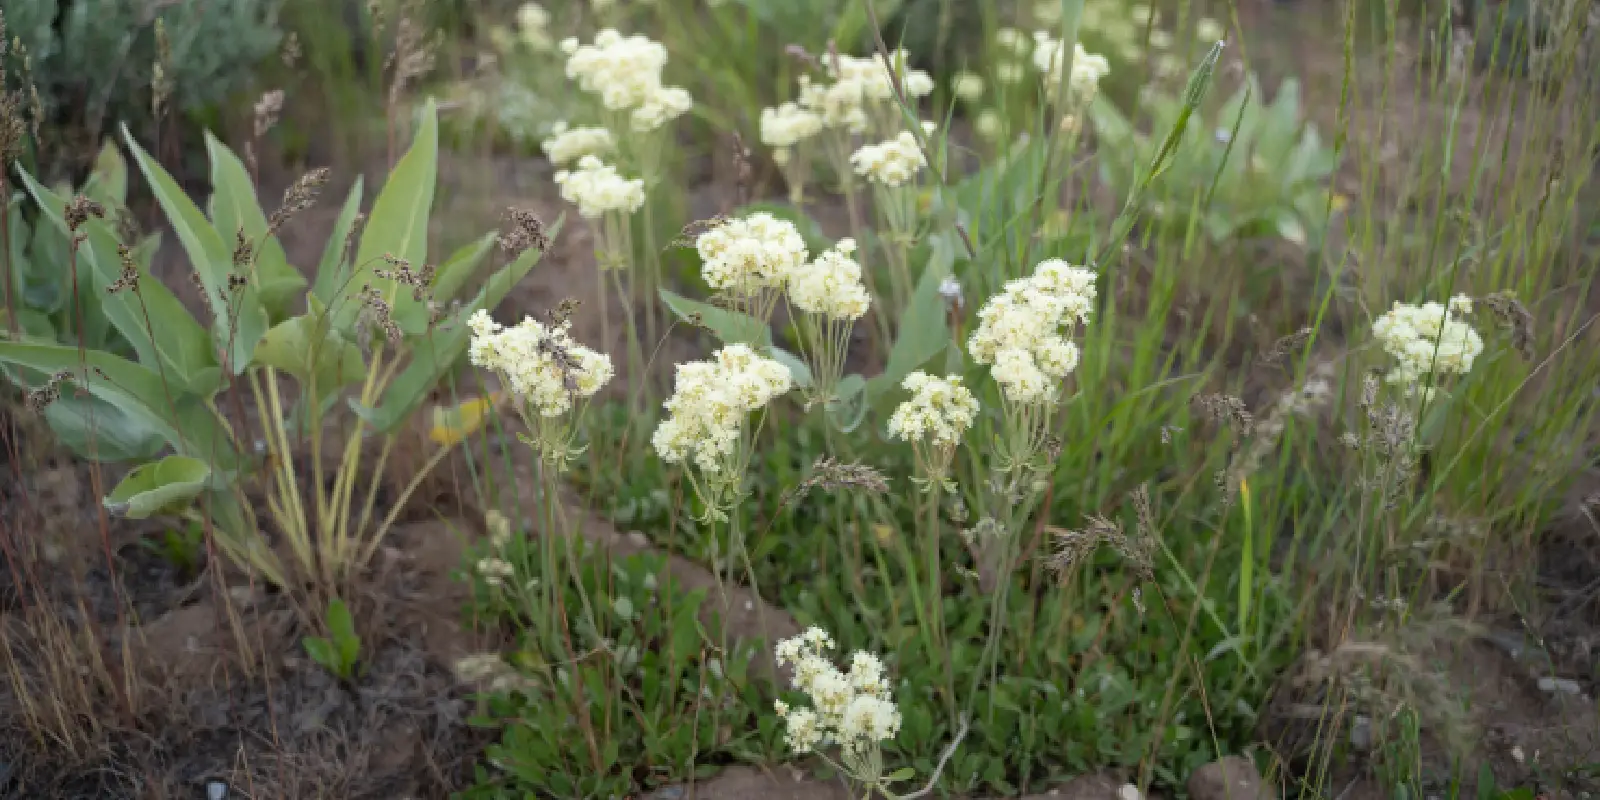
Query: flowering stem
[{"x": 936, "y": 597}]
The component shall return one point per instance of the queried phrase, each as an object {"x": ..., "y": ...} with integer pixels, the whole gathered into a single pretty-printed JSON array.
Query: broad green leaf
[
  {"x": 331, "y": 270},
  {"x": 398, "y": 226},
  {"x": 459, "y": 268},
  {"x": 235, "y": 207},
  {"x": 188, "y": 426},
  {"x": 165, "y": 486},
  {"x": 434, "y": 353},
  {"x": 849, "y": 407},
  {"x": 731, "y": 327},
  {"x": 31, "y": 323},
  {"x": 163, "y": 334},
  {"x": 308, "y": 348},
  {"x": 924, "y": 331},
  {"x": 212, "y": 259},
  {"x": 108, "y": 183},
  {"x": 340, "y": 625},
  {"x": 902, "y": 774},
  {"x": 102, "y": 431}
]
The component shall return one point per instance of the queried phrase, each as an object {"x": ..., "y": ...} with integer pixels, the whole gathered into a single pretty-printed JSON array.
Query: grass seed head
[
  {"x": 80, "y": 209},
  {"x": 301, "y": 195},
  {"x": 1512, "y": 315},
  {"x": 129, "y": 279},
  {"x": 526, "y": 232},
  {"x": 39, "y": 399}
]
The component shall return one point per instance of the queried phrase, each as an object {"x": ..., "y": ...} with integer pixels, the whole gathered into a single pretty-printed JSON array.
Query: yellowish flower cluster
[
  {"x": 1019, "y": 331},
  {"x": 1430, "y": 340},
  {"x": 709, "y": 405},
  {"x": 786, "y": 126},
  {"x": 567, "y": 145},
  {"x": 533, "y": 27},
  {"x": 892, "y": 163},
  {"x": 851, "y": 709},
  {"x": 1050, "y": 58},
  {"x": 939, "y": 413},
  {"x": 625, "y": 72},
  {"x": 540, "y": 363},
  {"x": 831, "y": 285},
  {"x": 860, "y": 87},
  {"x": 596, "y": 189},
  {"x": 967, "y": 86},
  {"x": 748, "y": 255}
]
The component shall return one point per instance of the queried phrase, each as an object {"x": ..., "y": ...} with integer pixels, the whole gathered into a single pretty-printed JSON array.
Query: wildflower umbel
[
  {"x": 596, "y": 189},
  {"x": 545, "y": 369},
  {"x": 749, "y": 259},
  {"x": 1023, "y": 335},
  {"x": 567, "y": 144},
  {"x": 623, "y": 71},
  {"x": 1020, "y": 330},
  {"x": 1429, "y": 342},
  {"x": 852, "y": 710},
  {"x": 1049, "y": 57},
  {"x": 707, "y": 416},
  {"x": 934, "y": 421},
  {"x": 892, "y": 163},
  {"x": 863, "y": 90},
  {"x": 832, "y": 297}
]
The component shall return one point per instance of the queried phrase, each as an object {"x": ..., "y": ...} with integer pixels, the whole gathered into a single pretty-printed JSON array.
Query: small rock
[
  {"x": 1361, "y": 732},
  {"x": 1559, "y": 686},
  {"x": 1232, "y": 778},
  {"x": 1085, "y": 787}
]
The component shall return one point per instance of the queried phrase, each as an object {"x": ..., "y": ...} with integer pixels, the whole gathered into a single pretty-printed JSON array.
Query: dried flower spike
[
  {"x": 301, "y": 195},
  {"x": 527, "y": 232},
  {"x": 80, "y": 209},
  {"x": 129, "y": 279},
  {"x": 268, "y": 108},
  {"x": 376, "y": 313},
  {"x": 39, "y": 399}
]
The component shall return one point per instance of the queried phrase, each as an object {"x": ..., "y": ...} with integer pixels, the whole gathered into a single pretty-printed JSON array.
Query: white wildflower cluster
[
  {"x": 1050, "y": 58},
  {"x": 859, "y": 88},
  {"x": 540, "y": 363},
  {"x": 1428, "y": 340},
  {"x": 661, "y": 106},
  {"x": 709, "y": 405},
  {"x": 785, "y": 127},
  {"x": 596, "y": 189},
  {"x": 940, "y": 411},
  {"x": 892, "y": 163},
  {"x": 491, "y": 671},
  {"x": 1019, "y": 330},
  {"x": 533, "y": 27},
  {"x": 495, "y": 571},
  {"x": 967, "y": 86},
  {"x": 625, "y": 73},
  {"x": 851, "y": 709},
  {"x": 567, "y": 144},
  {"x": 831, "y": 286},
  {"x": 747, "y": 255}
]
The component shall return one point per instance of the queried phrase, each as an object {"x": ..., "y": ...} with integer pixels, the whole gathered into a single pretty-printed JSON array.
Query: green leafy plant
[
  {"x": 373, "y": 331},
  {"x": 340, "y": 652},
  {"x": 182, "y": 547},
  {"x": 1250, "y": 170},
  {"x": 93, "y": 61},
  {"x": 45, "y": 304},
  {"x": 640, "y": 665}
]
